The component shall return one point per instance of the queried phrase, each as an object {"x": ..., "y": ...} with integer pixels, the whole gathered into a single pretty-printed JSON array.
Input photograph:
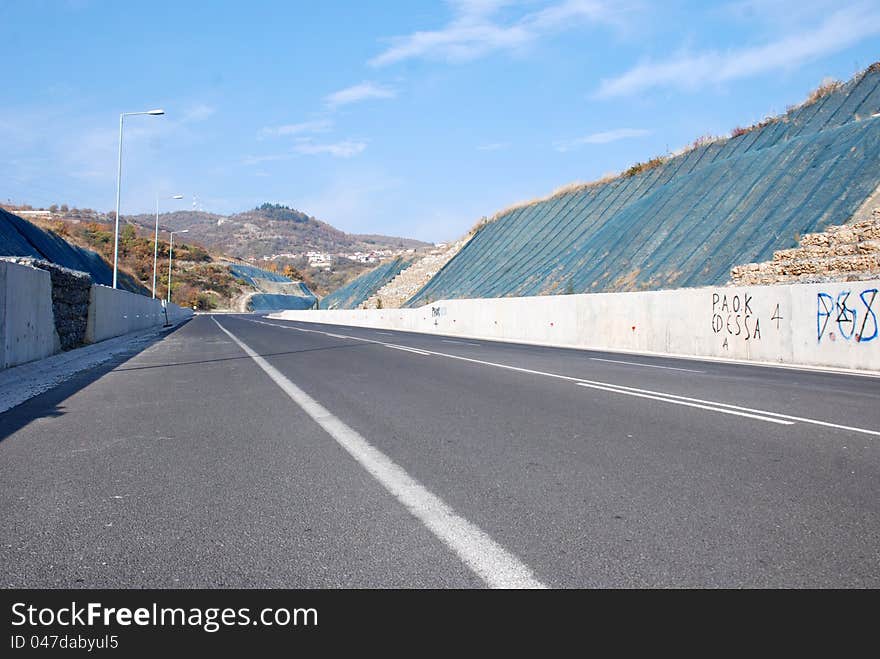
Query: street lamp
[
  {"x": 122, "y": 116},
  {"x": 170, "y": 249},
  {"x": 156, "y": 241}
]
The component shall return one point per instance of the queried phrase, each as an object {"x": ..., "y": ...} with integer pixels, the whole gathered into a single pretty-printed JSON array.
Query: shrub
[
  {"x": 640, "y": 167},
  {"x": 828, "y": 86}
]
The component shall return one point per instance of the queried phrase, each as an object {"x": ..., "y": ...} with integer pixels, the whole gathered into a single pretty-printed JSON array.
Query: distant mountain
[{"x": 270, "y": 229}]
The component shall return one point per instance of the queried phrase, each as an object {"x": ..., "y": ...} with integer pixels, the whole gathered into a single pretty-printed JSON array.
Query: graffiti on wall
[
  {"x": 849, "y": 315},
  {"x": 734, "y": 318}
]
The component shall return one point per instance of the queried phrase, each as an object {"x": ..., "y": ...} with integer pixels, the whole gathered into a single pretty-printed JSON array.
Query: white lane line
[
  {"x": 462, "y": 343},
  {"x": 406, "y": 349},
  {"x": 489, "y": 560},
  {"x": 668, "y": 368},
  {"x": 665, "y": 399},
  {"x": 779, "y": 415},
  {"x": 385, "y": 333}
]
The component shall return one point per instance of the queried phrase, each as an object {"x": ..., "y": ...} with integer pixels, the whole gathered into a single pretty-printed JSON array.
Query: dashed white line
[
  {"x": 462, "y": 343},
  {"x": 489, "y": 560},
  {"x": 668, "y": 368}
]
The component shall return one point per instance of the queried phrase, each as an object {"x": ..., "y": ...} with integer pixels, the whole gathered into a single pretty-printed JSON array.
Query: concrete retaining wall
[
  {"x": 829, "y": 324},
  {"x": 27, "y": 324},
  {"x": 114, "y": 312}
]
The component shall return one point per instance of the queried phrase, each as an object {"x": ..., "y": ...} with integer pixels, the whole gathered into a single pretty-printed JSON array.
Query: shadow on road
[
  {"x": 49, "y": 403},
  {"x": 229, "y": 359}
]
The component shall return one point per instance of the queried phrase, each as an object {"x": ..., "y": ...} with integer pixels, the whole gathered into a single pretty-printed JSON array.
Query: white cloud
[
  {"x": 306, "y": 147},
  {"x": 476, "y": 30},
  {"x": 357, "y": 93},
  {"x": 838, "y": 31},
  {"x": 302, "y": 128},
  {"x": 344, "y": 149},
  {"x": 493, "y": 146},
  {"x": 198, "y": 112},
  {"x": 257, "y": 160},
  {"x": 604, "y": 137}
]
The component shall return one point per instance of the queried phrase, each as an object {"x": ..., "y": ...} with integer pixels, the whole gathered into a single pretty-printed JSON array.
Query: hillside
[
  {"x": 272, "y": 230},
  {"x": 199, "y": 279},
  {"x": 687, "y": 219},
  {"x": 19, "y": 237}
]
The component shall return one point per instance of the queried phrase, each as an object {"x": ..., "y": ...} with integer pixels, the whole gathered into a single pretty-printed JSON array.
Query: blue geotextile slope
[
  {"x": 18, "y": 237},
  {"x": 359, "y": 290},
  {"x": 248, "y": 273},
  {"x": 277, "y": 302},
  {"x": 299, "y": 297},
  {"x": 689, "y": 220}
]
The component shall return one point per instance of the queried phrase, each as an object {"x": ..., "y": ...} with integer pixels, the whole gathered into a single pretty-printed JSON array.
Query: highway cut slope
[
  {"x": 686, "y": 220},
  {"x": 275, "y": 291},
  {"x": 18, "y": 237},
  {"x": 273, "y": 453},
  {"x": 360, "y": 289}
]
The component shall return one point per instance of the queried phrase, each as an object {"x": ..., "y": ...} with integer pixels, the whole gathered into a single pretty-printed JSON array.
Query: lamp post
[
  {"x": 119, "y": 188},
  {"x": 156, "y": 240},
  {"x": 170, "y": 250}
]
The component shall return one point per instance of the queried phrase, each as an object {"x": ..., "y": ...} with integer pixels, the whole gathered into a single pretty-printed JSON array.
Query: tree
[
  {"x": 53, "y": 208},
  {"x": 64, "y": 208},
  {"x": 128, "y": 233},
  {"x": 291, "y": 273}
]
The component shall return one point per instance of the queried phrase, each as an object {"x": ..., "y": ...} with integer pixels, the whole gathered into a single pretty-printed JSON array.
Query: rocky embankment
[
  {"x": 396, "y": 292},
  {"x": 850, "y": 252}
]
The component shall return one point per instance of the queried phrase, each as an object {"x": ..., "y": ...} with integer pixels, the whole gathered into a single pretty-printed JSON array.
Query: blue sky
[{"x": 411, "y": 118}]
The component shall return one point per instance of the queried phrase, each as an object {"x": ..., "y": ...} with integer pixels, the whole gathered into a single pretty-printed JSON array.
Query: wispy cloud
[
  {"x": 344, "y": 149},
  {"x": 493, "y": 146},
  {"x": 306, "y": 147},
  {"x": 476, "y": 30},
  {"x": 302, "y": 128},
  {"x": 272, "y": 157},
  {"x": 604, "y": 137},
  {"x": 357, "y": 93},
  {"x": 196, "y": 113},
  {"x": 838, "y": 31}
]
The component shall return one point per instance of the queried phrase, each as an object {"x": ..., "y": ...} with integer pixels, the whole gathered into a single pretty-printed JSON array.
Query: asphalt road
[{"x": 245, "y": 452}]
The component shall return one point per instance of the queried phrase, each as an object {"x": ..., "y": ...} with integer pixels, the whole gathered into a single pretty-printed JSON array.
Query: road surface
[{"x": 240, "y": 451}]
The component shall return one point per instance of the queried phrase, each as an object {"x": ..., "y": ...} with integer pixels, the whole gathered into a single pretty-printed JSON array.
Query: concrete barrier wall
[
  {"x": 114, "y": 312},
  {"x": 27, "y": 324},
  {"x": 830, "y": 324},
  {"x": 27, "y": 320}
]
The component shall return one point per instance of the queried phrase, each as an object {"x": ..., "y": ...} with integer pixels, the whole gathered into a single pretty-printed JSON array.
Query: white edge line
[{"x": 489, "y": 560}]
